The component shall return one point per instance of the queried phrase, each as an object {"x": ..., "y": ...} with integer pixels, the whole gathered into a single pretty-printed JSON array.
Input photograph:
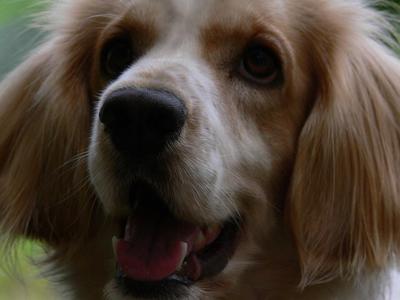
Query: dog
[{"x": 182, "y": 149}]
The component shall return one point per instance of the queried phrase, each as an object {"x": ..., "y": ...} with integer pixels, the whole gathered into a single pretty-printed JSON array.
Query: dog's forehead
[
  {"x": 193, "y": 8},
  {"x": 197, "y": 14}
]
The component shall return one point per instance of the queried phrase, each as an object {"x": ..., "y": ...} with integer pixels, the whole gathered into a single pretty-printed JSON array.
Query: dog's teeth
[
  {"x": 200, "y": 242},
  {"x": 214, "y": 229},
  {"x": 211, "y": 233},
  {"x": 206, "y": 237},
  {"x": 114, "y": 245},
  {"x": 185, "y": 248}
]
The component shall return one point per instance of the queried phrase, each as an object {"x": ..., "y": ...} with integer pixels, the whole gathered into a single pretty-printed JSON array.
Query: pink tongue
[{"x": 154, "y": 245}]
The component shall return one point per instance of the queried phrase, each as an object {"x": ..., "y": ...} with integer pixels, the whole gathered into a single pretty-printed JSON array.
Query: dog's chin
[{"x": 162, "y": 256}]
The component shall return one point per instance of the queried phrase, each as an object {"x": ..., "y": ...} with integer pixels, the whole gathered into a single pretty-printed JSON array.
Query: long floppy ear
[
  {"x": 44, "y": 121},
  {"x": 344, "y": 202}
]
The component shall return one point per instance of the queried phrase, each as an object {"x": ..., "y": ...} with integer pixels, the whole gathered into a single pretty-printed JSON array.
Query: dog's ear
[
  {"x": 44, "y": 121},
  {"x": 344, "y": 201}
]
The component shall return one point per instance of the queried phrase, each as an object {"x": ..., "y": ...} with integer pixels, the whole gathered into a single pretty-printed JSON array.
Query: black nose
[{"x": 141, "y": 122}]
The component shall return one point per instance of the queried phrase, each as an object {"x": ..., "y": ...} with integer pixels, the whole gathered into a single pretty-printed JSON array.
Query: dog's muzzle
[
  {"x": 142, "y": 122},
  {"x": 157, "y": 252}
]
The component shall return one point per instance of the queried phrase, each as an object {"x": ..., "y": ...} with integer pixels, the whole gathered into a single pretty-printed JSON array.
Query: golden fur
[{"x": 312, "y": 167}]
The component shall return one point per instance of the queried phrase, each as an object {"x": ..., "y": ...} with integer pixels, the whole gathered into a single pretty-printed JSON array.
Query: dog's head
[{"x": 208, "y": 126}]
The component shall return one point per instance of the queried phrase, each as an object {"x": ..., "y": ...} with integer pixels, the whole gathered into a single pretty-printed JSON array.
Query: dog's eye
[
  {"x": 117, "y": 56},
  {"x": 260, "y": 65}
]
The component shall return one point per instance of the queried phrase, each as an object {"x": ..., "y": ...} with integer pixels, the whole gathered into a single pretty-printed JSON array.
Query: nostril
[
  {"x": 168, "y": 119},
  {"x": 142, "y": 121},
  {"x": 114, "y": 113}
]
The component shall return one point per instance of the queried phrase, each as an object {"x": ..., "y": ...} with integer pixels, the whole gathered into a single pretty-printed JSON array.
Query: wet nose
[{"x": 142, "y": 122}]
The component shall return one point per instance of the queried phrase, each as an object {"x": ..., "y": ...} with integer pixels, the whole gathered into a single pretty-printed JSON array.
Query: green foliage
[{"x": 392, "y": 8}]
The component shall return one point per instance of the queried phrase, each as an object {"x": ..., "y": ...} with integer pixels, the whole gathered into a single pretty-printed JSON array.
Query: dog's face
[
  {"x": 193, "y": 135},
  {"x": 209, "y": 132}
]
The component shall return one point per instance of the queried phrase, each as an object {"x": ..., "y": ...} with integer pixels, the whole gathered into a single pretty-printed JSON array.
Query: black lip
[
  {"x": 174, "y": 287},
  {"x": 216, "y": 256}
]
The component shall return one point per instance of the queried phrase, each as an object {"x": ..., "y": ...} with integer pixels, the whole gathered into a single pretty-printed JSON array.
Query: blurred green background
[
  {"x": 16, "y": 37},
  {"x": 19, "y": 278}
]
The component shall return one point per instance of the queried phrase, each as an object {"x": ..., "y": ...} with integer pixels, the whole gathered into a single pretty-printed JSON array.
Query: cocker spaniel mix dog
[{"x": 224, "y": 149}]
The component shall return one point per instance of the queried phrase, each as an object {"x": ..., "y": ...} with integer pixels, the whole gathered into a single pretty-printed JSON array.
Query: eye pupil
[
  {"x": 259, "y": 61},
  {"x": 117, "y": 57},
  {"x": 260, "y": 64}
]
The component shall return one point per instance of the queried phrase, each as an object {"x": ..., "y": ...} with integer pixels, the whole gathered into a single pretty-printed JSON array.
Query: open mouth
[{"x": 159, "y": 253}]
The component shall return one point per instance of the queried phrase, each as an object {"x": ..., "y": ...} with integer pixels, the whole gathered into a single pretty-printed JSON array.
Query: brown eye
[
  {"x": 260, "y": 65},
  {"x": 117, "y": 57}
]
